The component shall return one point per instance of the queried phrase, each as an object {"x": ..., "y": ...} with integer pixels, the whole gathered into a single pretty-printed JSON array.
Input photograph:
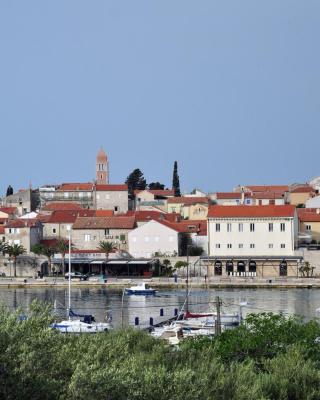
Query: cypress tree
[
  {"x": 176, "y": 181},
  {"x": 9, "y": 191}
]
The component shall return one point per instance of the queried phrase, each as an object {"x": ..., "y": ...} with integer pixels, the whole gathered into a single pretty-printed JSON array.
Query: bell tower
[{"x": 102, "y": 168}]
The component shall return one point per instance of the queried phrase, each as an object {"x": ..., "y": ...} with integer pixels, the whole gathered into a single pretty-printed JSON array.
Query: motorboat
[
  {"x": 82, "y": 324},
  {"x": 141, "y": 289}
]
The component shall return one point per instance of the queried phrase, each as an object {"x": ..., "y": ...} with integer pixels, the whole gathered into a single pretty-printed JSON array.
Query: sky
[{"x": 229, "y": 89}]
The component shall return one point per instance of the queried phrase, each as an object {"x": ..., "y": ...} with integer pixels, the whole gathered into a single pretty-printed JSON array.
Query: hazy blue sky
[{"x": 230, "y": 89}]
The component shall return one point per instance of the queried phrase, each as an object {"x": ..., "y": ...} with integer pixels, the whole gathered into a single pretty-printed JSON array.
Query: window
[
  {"x": 217, "y": 245},
  {"x": 228, "y": 227},
  {"x": 282, "y": 227},
  {"x": 146, "y": 238},
  {"x": 229, "y": 246},
  {"x": 106, "y": 232},
  {"x": 156, "y": 238},
  {"x": 116, "y": 208},
  {"x": 248, "y": 201},
  {"x": 252, "y": 246},
  {"x": 217, "y": 227},
  {"x": 66, "y": 194},
  {"x": 241, "y": 227},
  {"x": 270, "y": 245},
  {"x": 98, "y": 196},
  {"x": 308, "y": 227},
  {"x": 271, "y": 227},
  {"x": 122, "y": 237},
  {"x": 240, "y": 245},
  {"x": 87, "y": 238},
  {"x": 251, "y": 227},
  {"x": 107, "y": 196},
  {"x": 283, "y": 246},
  {"x": 10, "y": 230},
  {"x": 54, "y": 230}
]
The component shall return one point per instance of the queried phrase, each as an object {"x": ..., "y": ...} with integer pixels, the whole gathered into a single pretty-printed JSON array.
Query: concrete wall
[
  {"x": 98, "y": 235},
  {"x": 21, "y": 200}
]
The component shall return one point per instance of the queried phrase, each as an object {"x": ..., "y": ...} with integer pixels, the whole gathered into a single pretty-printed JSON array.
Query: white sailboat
[{"x": 79, "y": 323}]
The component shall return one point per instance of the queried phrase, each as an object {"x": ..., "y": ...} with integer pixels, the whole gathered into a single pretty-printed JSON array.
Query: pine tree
[
  {"x": 136, "y": 181},
  {"x": 176, "y": 181},
  {"x": 156, "y": 186},
  {"x": 9, "y": 191}
]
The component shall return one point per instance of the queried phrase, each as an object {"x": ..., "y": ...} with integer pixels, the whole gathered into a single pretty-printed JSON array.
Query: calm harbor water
[{"x": 302, "y": 302}]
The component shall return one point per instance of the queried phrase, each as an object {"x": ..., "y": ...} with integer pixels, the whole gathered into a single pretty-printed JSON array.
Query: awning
[
  {"x": 117, "y": 262},
  {"x": 140, "y": 262},
  {"x": 97, "y": 262}
]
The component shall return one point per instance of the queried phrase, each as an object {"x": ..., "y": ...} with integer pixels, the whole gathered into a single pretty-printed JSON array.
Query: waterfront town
[{"x": 253, "y": 232}]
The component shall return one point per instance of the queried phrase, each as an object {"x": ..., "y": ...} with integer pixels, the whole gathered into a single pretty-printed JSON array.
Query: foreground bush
[{"x": 269, "y": 357}]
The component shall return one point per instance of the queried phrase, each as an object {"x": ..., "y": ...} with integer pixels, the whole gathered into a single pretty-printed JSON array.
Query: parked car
[{"x": 76, "y": 275}]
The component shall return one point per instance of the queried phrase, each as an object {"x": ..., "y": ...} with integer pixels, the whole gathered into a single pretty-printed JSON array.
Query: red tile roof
[
  {"x": 103, "y": 213},
  {"x": 8, "y": 210},
  {"x": 105, "y": 223},
  {"x": 144, "y": 216},
  {"x": 61, "y": 205},
  {"x": 68, "y": 216},
  {"x": 251, "y": 211},
  {"x": 65, "y": 187},
  {"x": 229, "y": 195},
  {"x": 23, "y": 223},
  {"x": 303, "y": 189},
  {"x": 199, "y": 227},
  {"x": 112, "y": 188},
  {"x": 268, "y": 188},
  {"x": 268, "y": 195},
  {"x": 188, "y": 200},
  {"x": 308, "y": 215}
]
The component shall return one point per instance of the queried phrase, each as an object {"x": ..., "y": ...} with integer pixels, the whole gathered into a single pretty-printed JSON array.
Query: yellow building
[
  {"x": 309, "y": 224},
  {"x": 195, "y": 208},
  {"x": 301, "y": 194}
]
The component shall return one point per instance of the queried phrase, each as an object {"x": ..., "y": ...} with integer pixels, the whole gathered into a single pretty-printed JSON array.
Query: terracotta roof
[
  {"x": 105, "y": 223},
  {"x": 189, "y": 226},
  {"x": 68, "y": 216},
  {"x": 144, "y": 216},
  {"x": 65, "y": 187},
  {"x": 268, "y": 195},
  {"x": 229, "y": 195},
  {"x": 23, "y": 223},
  {"x": 268, "y": 188},
  {"x": 112, "y": 188},
  {"x": 43, "y": 217},
  {"x": 306, "y": 215},
  {"x": 188, "y": 200},
  {"x": 251, "y": 211},
  {"x": 8, "y": 210},
  {"x": 303, "y": 189},
  {"x": 103, "y": 213},
  {"x": 61, "y": 205}
]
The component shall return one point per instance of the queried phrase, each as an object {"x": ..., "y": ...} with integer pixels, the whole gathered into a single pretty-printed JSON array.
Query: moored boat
[{"x": 141, "y": 289}]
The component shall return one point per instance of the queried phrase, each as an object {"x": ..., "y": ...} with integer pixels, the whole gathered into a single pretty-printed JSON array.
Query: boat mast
[{"x": 69, "y": 275}]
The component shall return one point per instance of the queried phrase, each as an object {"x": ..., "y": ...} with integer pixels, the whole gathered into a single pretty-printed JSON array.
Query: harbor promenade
[{"x": 165, "y": 282}]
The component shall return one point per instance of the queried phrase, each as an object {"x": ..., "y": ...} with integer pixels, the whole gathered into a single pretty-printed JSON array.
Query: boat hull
[{"x": 146, "y": 292}]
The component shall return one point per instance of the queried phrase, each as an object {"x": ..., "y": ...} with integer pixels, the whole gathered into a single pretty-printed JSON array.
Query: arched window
[
  {"x": 252, "y": 266},
  {"x": 218, "y": 267},
  {"x": 283, "y": 268},
  {"x": 241, "y": 266},
  {"x": 229, "y": 267}
]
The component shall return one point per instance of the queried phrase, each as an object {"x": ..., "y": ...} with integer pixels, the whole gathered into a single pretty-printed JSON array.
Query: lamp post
[
  {"x": 187, "y": 294},
  {"x": 69, "y": 272}
]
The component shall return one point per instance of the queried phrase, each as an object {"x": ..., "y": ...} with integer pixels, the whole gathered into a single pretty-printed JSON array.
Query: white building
[
  {"x": 267, "y": 230},
  {"x": 153, "y": 237},
  {"x": 314, "y": 202}
]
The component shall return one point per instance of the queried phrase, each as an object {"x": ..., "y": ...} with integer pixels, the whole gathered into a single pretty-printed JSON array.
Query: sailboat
[{"x": 79, "y": 323}]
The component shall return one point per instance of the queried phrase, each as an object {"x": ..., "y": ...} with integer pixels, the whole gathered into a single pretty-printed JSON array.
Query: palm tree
[
  {"x": 62, "y": 248},
  {"x": 14, "y": 251},
  {"x": 106, "y": 248},
  {"x": 44, "y": 250}
]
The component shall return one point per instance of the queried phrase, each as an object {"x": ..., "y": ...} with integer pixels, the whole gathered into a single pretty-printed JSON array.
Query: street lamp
[{"x": 69, "y": 271}]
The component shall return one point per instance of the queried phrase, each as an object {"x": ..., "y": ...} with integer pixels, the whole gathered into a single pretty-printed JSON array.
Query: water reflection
[{"x": 99, "y": 301}]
